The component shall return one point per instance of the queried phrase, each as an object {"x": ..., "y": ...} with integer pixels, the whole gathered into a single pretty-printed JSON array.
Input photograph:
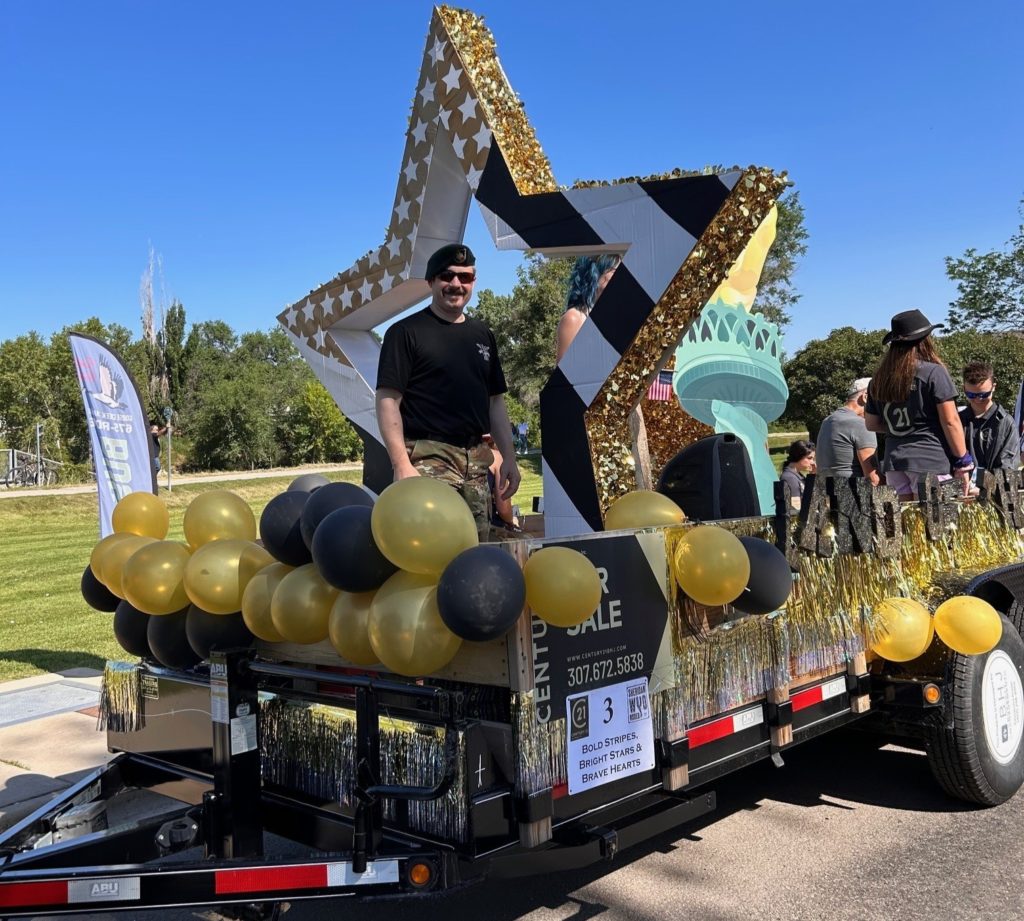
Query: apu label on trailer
[
  {"x": 620, "y": 640},
  {"x": 609, "y": 734},
  {"x": 112, "y": 889}
]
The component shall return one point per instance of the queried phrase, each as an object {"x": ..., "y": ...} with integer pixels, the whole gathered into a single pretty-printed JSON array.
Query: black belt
[{"x": 467, "y": 442}]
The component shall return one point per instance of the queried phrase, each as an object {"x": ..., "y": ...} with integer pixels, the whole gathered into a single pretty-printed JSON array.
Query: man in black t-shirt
[{"x": 440, "y": 389}]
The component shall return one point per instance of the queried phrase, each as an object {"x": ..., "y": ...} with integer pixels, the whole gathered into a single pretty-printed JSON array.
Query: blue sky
[{"x": 257, "y": 145}]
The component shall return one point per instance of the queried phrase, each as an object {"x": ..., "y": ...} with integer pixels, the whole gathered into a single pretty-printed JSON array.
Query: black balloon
[
  {"x": 280, "y": 530},
  {"x": 770, "y": 581},
  {"x": 205, "y": 630},
  {"x": 347, "y": 555},
  {"x": 329, "y": 499},
  {"x": 168, "y": 641},
  {"x": 131, "y": 629},
  {"x": 308, "y": 482},
  {"x": 96, "y": 594},
  {"x": 481, "y": 593}
]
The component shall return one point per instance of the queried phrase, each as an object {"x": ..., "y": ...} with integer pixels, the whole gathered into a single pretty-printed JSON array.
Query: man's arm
[
  {"x": 868, "y": 464},
  {"x": 389, "y": 421},
  {"x": 508, "y": 477}
]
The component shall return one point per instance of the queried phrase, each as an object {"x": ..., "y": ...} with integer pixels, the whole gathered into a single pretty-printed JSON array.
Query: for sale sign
[{"x": 610, "y": 734}]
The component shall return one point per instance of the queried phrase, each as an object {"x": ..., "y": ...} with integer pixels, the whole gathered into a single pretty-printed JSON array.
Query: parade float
[{"x": 425, "y": 712}]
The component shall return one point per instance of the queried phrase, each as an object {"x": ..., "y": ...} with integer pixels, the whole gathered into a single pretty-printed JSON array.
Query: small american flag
[{"x": 661, "y": 389}]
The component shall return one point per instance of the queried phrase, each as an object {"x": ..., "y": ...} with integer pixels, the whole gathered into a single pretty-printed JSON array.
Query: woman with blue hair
[
  {"x": 589, "y": 277},
  {"x": 587, "y": 280}
]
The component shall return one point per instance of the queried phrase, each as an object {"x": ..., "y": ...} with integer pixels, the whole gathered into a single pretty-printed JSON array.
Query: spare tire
[{"x": 978, "y": 754}]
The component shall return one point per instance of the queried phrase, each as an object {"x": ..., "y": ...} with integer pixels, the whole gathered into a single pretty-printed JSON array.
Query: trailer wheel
[{"x": 978, "y": 755}]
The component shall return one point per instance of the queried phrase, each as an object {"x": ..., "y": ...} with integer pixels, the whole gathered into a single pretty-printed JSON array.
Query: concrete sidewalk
[{"x": 48, "y": 738}]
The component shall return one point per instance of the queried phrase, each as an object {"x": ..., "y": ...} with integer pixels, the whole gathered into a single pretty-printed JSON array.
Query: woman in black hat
[{"x": 912, "y": 400}]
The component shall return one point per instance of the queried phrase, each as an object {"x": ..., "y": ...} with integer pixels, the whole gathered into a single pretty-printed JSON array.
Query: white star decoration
[
  {"x": 328, "y": 302},
  {"x": 427, "y": 91},
  {"x": 411, "y": 170},
  {"x": 451, "y": 79},
  {"x": 468, "y": 108},
  {"x": 394, "y": 247},
  {"x": 482, "y": 137},
  {"x": 320, "y": 335},
  {"x": 293, "y": 312},
  {"x": 473, "y": 177},
  {"x": 402, "y": 210},
  {"x": 419, "y": 132},
  {"x": 443, "y": 117},
  {"x": 373, "y": 259},
  {"x": 436, "y": 52},
  {"x": 459, "y": 146},
  {"x": 346, "y": 298},
  {"x": 365, "y": 290}
]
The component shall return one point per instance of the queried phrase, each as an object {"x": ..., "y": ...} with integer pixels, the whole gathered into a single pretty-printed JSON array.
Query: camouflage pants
[{"x": 464, "y": 469}]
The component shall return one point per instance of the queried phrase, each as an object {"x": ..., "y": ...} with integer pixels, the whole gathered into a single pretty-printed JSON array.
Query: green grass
[{"x": 45, "y": 542}]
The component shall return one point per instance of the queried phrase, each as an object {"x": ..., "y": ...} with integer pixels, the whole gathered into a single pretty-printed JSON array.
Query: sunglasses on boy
[
  {"x": 977, "y": 394},
  {"x": 465, "y": 278}
]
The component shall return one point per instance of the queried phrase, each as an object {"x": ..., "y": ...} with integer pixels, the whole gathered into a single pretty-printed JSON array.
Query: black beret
[{"x": 449, "y": 254}]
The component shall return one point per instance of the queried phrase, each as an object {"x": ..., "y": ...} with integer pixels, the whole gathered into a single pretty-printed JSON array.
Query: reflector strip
[
  {"x": 811, "y": 696},
  {"x": 52, "y": 892},
  {"x": 268, "y": 879},
  {"x": 726, "y": 726}
]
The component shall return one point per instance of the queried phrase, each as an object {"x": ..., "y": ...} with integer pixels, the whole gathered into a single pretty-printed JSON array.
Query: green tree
[
  {"x": 990, "y": 286},
  {"x": 171, "y": 341},
  {"x": 776, "y": 291},
  {"x": 24, "y": 392},
  {"x": 1005, "y": 352},
  {"x": 820, "y": 372},
  {"x": 315, "y": 431},
  {"x": 524, "y": 324}
]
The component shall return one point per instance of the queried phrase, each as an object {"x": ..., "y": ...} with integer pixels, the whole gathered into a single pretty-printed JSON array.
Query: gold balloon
[
  {"x": 348, "y": 627},
  {"x": 218, "y": 515},
  {"x": 968, "y": 625},
  {"x": 113, "y": 560},
  {"x": 301, "y": 606},
  {"x": 256, "y": 601},
  {"x": 141, "y": 513},
  {"x": 711, "y": 565},
  {"x": 422, "y": 524},
  {"x": 405, "y": 628},
  {"x": 907, "y": 629},
  {"x": 252, "y": 559},
  {"x": 214, "y": 578},
  {"x": 153, "y": 579},
  {"x": 642, "y": 508},
  {"x": 102, "y": 546},
  {"x": 562, "y": 586}
]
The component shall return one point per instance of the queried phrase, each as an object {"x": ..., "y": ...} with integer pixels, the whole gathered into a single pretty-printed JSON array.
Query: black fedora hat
[{"x": 909, "y": 326}]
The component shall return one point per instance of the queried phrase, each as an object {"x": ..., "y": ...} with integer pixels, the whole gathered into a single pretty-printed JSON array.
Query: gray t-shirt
[
  {"x": 839, "y": 439},
  {"x": 914, "y": 440}
]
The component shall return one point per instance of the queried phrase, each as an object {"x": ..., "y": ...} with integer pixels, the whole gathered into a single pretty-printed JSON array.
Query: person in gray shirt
[{"x": 844, "y": 445}]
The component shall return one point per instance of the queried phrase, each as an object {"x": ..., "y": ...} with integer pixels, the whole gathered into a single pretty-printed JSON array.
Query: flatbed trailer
[{"x": 218, "y": 775}]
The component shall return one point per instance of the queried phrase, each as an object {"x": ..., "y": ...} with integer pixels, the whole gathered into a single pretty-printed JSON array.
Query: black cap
[
  {"x": 449, "y": 254},
  {"x": 909, "y": 326}
]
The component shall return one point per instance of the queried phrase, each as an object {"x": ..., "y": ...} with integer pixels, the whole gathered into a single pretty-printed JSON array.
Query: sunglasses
[
  {"x": 465, "y": 278},
  {"x": 977, "y": 395}
]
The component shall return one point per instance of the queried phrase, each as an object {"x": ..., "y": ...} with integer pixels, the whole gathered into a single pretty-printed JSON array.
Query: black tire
[{"x": 978, "y": 756}]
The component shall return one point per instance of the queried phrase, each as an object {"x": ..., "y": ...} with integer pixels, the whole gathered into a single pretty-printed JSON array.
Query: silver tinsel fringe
[
  {"x": 121, "y": 705},
  {"x": 311, "y": 748}
]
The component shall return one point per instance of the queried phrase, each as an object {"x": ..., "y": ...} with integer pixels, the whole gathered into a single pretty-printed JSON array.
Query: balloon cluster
[
  {"x": 175, "y": 601},
  {"x": 966, "y": 624},
  {"x": 715, "y": 567}
]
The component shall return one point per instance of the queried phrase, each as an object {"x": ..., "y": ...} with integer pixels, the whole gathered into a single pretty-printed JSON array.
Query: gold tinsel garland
[{"x": 121, "y": 704}]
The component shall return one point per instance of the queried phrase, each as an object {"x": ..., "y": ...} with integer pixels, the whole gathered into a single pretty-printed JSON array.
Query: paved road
[
  {"x": 180, "y": 479},
  {"x": 840, "y": 832}
]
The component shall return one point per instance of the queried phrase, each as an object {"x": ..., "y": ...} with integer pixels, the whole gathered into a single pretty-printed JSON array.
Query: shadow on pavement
[{"x": 55, "y": 660}]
